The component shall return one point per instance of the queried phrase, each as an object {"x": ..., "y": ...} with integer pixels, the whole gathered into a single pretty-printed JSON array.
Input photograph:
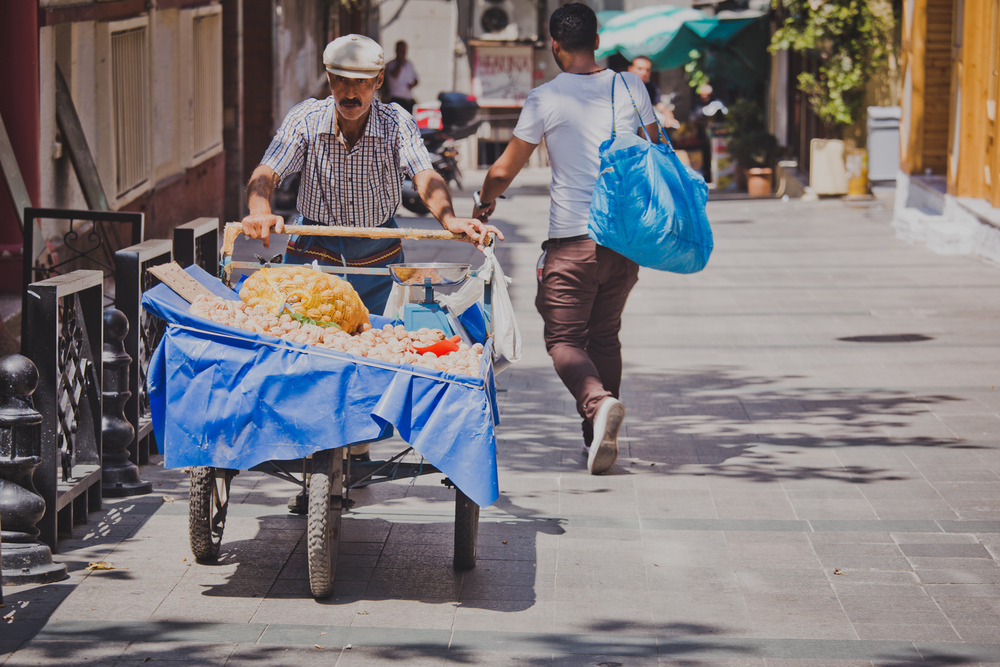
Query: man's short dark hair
[{"x": 574, "y": 26}]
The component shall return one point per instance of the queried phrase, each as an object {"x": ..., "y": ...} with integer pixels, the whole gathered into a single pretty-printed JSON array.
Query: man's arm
[
  {"x": 258, "y": 223},
  {"x": 501, "y": 174},
  {"x": 654, "y": 132},
  {"x": 435, "y": 194}
]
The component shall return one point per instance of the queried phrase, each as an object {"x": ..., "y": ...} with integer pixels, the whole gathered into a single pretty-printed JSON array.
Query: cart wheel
[
  {"x": 325, "y": 505},
  {"x": 466, "y": 531},
  {"x": 209, "y": 503}
]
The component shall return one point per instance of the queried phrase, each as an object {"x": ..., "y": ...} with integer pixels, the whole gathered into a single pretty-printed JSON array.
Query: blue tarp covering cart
[
  {"x": 228, "y": 398},
  {"x": 223, "y": 399}
]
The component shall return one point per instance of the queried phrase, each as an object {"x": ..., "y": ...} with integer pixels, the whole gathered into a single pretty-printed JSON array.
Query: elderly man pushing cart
[{"x": 353, "y": 152}]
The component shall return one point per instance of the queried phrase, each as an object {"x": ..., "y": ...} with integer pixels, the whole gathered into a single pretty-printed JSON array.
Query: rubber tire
[
  {"x": 456, "y": 176},
  {"x": 411, "y": 200},
  {"x": 466, "y": 531},
  {"x": 323, "y": 523},
  {"x": 207, "y": 509}
]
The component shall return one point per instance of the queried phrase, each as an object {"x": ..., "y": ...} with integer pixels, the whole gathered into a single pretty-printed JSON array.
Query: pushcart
[{"x": 325, "y": 475}]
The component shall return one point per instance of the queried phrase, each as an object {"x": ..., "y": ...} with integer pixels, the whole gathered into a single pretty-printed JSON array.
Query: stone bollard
[
  {"x": 25, "y": 559},
  {"x": 119, "y": 477}
]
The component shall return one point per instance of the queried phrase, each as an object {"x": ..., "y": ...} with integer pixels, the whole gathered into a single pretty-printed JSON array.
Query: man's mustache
[{"x": 350, "y": 102}]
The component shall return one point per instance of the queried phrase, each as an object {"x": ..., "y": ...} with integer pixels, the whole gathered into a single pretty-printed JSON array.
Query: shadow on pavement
[
  {"x": 711, "y": 416},
  {"x": 393, "y": 560},
  {"x": 28, "y": 608}
]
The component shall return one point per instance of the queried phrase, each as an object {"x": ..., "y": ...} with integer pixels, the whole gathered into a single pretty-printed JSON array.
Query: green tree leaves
[{"x": 848, "y": 39}]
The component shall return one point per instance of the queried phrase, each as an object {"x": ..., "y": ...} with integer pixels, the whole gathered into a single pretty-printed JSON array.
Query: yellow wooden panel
[
  {"x": 993, "y": 144},
  {"x": 954, "y": 104},
  {"x": 970, "y": 180},
  {"x": 912, "y": 70}
]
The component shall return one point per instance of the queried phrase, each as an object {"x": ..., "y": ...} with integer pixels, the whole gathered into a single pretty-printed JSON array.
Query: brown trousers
[{"x": 581, "y": 296}]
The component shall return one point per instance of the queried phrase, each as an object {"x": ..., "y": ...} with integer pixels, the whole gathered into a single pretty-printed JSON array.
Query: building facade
[
  {"x": 175, "y": 101},
  {"x": 948, "y": 188}
]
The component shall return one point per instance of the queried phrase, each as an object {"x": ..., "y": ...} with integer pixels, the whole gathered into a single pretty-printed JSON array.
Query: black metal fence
[
  {"x": 62, "y": 333},
  {"x": 90, "y": 242},
  {"x": 144, "y": 334},
  {"x": 63, "y": 336},
  {"x": 197, "y": 242}
]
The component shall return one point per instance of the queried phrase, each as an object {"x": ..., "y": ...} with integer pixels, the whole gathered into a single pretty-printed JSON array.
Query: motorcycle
[{"x": 459, "y": 119}]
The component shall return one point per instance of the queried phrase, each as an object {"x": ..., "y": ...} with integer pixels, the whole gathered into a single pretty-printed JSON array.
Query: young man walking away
[{"x": 583, "y": 286}]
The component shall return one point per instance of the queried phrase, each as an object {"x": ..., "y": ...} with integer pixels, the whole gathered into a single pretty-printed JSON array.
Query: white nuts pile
[{"x": 393, "y": 344}]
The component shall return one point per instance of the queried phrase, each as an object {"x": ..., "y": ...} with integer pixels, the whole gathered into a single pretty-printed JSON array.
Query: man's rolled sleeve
[
  {"x": 286, "y": 152},
  {"x": 413, "y": 155}
]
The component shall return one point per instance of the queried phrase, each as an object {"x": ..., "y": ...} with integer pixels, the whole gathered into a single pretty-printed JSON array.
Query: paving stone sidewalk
[{"x": 810, "y": 475}]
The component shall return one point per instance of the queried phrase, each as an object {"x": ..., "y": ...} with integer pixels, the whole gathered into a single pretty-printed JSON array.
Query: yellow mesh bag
[{"x": 304, "y": 291}]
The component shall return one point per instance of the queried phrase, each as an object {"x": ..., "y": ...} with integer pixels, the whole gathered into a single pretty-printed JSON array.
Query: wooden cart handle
[{"x": 234, "y": 229}]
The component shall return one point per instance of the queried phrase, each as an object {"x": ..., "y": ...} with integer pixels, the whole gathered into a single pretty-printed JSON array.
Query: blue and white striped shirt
[{"x": 359, "y": 188}]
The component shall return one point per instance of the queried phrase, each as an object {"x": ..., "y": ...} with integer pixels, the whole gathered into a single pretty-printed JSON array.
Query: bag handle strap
[{"x": 614, "y": 127}]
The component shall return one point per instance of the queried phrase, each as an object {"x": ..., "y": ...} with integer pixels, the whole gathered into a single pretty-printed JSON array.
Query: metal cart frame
[{"x": 327, "y": 476}]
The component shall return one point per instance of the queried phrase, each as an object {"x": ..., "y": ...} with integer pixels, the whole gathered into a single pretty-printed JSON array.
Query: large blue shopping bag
[{"x": 649, "y": 206}]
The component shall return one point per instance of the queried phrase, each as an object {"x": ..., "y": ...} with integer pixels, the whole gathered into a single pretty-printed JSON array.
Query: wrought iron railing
[
  {"x": 63, "y": 336},
  {"x": 197, "y": 242},
  {"x": 132, "y": 280},
  {"x": 90, "y": 242}
]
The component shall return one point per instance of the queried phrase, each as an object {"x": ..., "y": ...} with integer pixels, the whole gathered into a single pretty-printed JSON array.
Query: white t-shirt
[
  {"x": 573, "y": 114},
  {"x": 399, "y": 86}
]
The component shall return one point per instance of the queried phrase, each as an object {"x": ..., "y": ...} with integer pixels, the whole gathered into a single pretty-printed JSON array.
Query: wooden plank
[
  {"x": 180, "y": 281},
  {"x": 79, "y": 152},
  {"x": 953, "y": 103},
  {"x": 12, "y": 176},
  {"x": 993, "y": 99},
  {"x": 234, "y": 229},
  {"x": 969, "y": 181},
  {"x": 915, "y": 30}
]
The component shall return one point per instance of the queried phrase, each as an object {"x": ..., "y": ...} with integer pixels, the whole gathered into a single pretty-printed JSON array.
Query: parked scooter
[{"x": 459, "y": 119}]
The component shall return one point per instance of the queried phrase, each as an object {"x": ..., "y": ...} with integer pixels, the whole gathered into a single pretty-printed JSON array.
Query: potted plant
[
  {"x": 751, "y": 145},
  {"x": 849, "y": 42}
]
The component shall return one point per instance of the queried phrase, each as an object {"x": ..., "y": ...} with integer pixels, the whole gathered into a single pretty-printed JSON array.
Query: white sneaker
[{"x": 607, "y": 421}]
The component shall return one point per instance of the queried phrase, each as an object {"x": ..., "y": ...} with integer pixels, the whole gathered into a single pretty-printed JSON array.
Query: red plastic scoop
[{"x": 440, "y": 348}]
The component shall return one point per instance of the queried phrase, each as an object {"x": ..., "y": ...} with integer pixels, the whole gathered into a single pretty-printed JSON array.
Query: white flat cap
[{"x": 354, "y": 56}]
